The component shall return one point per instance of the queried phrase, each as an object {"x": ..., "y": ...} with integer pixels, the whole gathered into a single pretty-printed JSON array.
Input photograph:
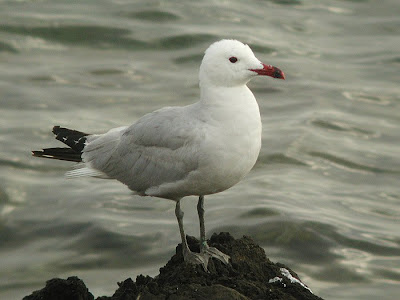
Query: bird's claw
[
  {"x": 214, "y": 252},
  {"x": 196, "y": 259}
]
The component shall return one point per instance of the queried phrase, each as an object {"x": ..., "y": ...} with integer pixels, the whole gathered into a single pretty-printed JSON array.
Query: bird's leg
[
  {"x": 200, "y": 211},
  {"x": 188, "y": 256},
  {"x": 204, "y": 248}
]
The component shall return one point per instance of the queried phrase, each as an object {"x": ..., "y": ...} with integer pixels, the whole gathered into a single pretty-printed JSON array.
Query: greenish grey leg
[
  {"x": 204, "y": 248},
  {"x": 200, "y": 211},
  {"x": 188, "y": 256}
]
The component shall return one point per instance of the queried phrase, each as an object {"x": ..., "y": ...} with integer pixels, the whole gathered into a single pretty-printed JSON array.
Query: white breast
[{"x": 231, "y": 143}]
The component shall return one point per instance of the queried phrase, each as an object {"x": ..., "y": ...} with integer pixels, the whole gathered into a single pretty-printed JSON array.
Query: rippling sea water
[{"x": 323, "y": 197}]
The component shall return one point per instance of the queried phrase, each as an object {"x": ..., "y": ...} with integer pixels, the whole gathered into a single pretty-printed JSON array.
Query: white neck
[
  {"x": 239, "y": 97},
  {"x": 236, "y": 107}
]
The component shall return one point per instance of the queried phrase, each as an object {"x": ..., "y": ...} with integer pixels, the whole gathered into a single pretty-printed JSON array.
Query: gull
[{"x": 195, "y": 150}]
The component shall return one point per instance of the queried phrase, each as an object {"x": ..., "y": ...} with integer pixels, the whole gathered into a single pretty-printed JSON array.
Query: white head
[{"x": 231, "y": 63}]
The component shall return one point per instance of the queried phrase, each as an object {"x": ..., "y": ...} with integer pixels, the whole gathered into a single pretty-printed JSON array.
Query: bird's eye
[{"x": 233, "y": 59}]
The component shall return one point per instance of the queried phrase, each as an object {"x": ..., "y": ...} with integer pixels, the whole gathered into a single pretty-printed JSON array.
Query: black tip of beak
[
  {"x": 278, "y": 73},
  {"x": 269, "y": 70}
]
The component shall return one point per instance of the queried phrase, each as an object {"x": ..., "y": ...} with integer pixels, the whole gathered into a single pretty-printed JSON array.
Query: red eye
[{"x": 233, "y": 59}]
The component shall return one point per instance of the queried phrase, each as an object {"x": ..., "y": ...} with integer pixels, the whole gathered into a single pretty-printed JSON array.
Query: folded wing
[{"x": 160, "y": 148}]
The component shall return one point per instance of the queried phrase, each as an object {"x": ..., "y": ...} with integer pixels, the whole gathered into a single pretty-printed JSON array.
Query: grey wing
[{"x": 162, "y": 147}]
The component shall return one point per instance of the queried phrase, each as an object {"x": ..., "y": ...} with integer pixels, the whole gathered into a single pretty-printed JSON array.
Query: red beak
[{"x": 269, "y": 70}]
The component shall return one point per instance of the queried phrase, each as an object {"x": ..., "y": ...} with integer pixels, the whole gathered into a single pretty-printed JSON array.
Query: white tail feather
[{"x": 81, "y": 170}]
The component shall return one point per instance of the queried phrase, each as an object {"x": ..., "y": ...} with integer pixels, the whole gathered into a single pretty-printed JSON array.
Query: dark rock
[
  {"x": 250, "y": 275},
  {"x": 71, "y": 288}
]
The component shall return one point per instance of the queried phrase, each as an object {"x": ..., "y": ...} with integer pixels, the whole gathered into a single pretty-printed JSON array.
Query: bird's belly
[
  {"x": 221, "y": 166},
  {"x": 230, "y": 161}
]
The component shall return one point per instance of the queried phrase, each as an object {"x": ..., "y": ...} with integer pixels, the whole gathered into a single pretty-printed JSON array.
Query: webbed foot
[
  {"x": 196, "y": 258},
  {"x": 214, "y": 252}
]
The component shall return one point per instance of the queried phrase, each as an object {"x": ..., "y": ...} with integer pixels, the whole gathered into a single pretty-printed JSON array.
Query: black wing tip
[
  {"x": 37, "y": 153},
  {"x": 72, "y": 138},
  {"x": 56, "y": 129},
  {"x": 58, "y": 153},
  {"x": 41, "y": 153}
]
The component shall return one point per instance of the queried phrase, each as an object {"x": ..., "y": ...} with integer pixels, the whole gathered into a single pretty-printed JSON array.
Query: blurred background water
[{"x": 323, "y": 197}]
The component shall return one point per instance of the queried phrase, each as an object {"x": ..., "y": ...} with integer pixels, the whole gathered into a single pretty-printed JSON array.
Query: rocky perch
[{"x": 250, "y": 275}]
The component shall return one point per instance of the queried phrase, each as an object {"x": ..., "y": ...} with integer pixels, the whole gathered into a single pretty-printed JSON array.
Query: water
[{"x": 323, "y": 197}]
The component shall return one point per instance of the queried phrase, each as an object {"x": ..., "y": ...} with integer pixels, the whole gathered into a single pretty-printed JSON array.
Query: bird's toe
[
  {"x": 196, "y": 259},
  {"x": 214, "y": 252}
]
